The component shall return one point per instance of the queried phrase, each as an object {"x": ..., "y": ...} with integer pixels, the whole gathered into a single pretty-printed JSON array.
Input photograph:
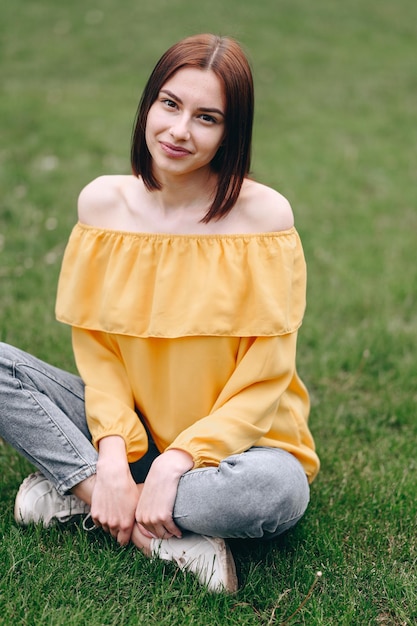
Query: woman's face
[{"x": 186, "y": 123}]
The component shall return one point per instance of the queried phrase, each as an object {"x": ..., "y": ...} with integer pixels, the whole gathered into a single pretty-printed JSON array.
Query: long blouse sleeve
[
  {"x": 109, "y": 400},
  {"x": 255, "y": 407}
]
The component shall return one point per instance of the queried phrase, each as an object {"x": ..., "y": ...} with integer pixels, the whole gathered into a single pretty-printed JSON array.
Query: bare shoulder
[
  {"x": 265, "y": 208},
  {"x": 100, "y": 201}
]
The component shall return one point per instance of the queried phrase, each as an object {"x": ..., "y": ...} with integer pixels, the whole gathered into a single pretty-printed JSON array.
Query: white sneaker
[
  {"x": 209, "y": 558},
  {"x": 38, "y": 501}
]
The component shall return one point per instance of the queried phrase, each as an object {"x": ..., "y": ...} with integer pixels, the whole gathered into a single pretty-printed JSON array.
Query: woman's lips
[{"x": 174, "y": 151}]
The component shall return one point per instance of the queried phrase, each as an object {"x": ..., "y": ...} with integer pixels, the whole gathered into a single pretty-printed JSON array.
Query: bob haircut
[{"x": 225, "y": 57}]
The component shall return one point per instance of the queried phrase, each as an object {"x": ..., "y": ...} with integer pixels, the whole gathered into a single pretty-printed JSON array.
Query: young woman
[{"x": 184, "y": 285}]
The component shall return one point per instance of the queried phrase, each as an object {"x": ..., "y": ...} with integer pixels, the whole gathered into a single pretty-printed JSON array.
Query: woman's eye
[
  {"x": 208, "y": 118},
  {"x": 169, "y": 103}
]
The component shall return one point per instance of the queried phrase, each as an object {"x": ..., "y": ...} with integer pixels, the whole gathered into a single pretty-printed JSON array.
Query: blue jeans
[{"x": 257, "y": 494}]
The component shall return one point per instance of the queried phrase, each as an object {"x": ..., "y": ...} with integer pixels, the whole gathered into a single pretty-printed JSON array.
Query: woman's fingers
[
  {"x": 121, "y": 535},
  {"x": 161, "y": 529}
]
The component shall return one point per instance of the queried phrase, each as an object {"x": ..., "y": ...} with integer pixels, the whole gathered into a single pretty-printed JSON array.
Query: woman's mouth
[{"x": 174, "y": 151}]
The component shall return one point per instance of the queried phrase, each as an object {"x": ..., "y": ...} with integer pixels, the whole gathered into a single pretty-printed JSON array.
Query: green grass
[{"x": 336, "y": 132}]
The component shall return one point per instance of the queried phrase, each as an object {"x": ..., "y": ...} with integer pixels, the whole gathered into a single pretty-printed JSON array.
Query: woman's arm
[
  {"x": 114, "y": 425},
  {"x": 109, "y": 402},
  {"x": 263, "y": 397}
]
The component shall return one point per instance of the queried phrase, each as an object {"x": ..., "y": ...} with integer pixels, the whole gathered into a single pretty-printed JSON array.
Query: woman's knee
[
  {"x": 6, "y": 364},
  {"x": 276, "y": 489},
  {"x": 6, "y": 352},
  {"x": 268, "y": 472},
  {"x": 259, "y": 493}
]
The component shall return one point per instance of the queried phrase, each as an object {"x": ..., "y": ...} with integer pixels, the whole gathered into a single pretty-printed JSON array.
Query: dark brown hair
[{"x": 225, "y": 57}]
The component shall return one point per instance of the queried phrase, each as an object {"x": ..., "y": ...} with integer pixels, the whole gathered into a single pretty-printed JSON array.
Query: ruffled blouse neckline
[{"x": 174, "y": 285}]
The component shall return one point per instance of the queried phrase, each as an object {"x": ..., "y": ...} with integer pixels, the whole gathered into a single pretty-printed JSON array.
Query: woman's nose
[{"x": 180, "y": 129}]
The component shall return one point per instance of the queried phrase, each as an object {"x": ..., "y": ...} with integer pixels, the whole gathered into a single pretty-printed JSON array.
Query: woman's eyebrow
[{"x": 203, "y": 109}]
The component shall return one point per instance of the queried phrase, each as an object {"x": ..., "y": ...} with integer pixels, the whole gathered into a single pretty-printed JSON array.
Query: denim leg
[
  {"x": 257, "y": 494},
  {"x": 42, "y": 416}
]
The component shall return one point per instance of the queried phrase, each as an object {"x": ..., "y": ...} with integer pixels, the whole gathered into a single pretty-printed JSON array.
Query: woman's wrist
[
  {"x": 112, "y": 453},
  {"x": 176, "y": 461}
]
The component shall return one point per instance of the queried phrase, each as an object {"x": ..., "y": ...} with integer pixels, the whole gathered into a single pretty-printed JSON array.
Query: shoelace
[{"x": 88, "y": 523}]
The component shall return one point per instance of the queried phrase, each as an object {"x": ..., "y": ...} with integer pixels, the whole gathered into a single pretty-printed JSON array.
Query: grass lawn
[{"x": 336, "y": 132}]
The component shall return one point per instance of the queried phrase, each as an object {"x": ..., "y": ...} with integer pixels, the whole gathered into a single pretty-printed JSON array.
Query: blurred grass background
[{"x": 335, "y": 132}]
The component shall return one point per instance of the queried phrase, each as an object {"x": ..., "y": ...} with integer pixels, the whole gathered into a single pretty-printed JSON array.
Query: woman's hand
[
  {"x": 156, "y": 504},
  {"x": 115, "y": 494}
]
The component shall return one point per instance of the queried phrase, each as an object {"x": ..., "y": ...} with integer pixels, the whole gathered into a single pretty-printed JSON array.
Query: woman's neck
[{"x": 193, "y": 194}]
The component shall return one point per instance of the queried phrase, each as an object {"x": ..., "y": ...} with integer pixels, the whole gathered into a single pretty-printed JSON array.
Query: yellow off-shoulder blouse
[{"x": 197, "y": 332}]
